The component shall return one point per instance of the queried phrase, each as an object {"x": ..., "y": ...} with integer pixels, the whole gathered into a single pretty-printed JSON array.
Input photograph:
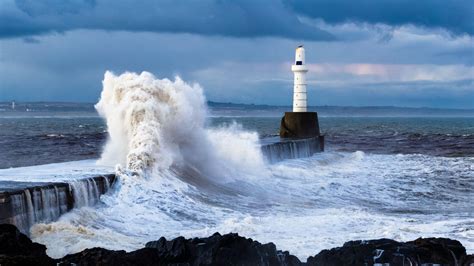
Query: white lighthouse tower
[
  {"x": 301, "y": 124},
  {"x": 299, "y": 88}
]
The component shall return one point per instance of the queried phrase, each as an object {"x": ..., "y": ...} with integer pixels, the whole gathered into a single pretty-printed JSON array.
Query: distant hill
[
  {"x": 239, "y": 109},
  {"x": 350, "y": 110}
]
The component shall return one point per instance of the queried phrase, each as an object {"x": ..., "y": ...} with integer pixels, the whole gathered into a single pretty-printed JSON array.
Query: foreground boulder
[
  {"x": 229, "y": 249},
  {"x": 232, "y": 249},
  {"x": 18, "y": 249},
  {"x": 422, "y": 251}
]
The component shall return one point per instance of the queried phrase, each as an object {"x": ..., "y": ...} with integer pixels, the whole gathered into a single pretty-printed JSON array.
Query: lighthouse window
[{"x": 299, "y": 63}]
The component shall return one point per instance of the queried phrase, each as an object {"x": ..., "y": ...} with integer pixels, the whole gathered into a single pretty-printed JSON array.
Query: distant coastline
[
  {"x": 271, "y": 110},
  {"x": 330, "y": 110}
]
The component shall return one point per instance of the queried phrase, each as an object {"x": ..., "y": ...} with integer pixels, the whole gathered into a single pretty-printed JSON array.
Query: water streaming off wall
[
  {"x": 45, "y": 203},
  {"x": 276, "y": 150}
]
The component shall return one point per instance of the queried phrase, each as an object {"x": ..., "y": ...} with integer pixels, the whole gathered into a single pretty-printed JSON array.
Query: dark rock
[
  {"x": 17, "y": 249},
  {"x": 439, "y": 250},
  {"x": 232, "y": 249},
  {"x": 101, "y": 256},
  {"x": 229, "y": 249},
  {"x": 421, "y": 251},
  {"x": 468, "y": 260}
]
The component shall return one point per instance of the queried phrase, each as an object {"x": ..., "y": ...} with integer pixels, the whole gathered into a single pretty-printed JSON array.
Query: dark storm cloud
[
  {"x": 30, "y": 40},
  {"x": 430, "y": 71},
  {"x": 243, "y": 18},
  {"x": 456, "y": 16},
  {"x": 212, "y": 42},
  {"x": 54, "y": 7}
]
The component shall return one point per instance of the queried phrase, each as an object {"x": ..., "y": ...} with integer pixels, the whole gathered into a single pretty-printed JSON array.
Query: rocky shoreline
[{"x": 232, "y": 249}]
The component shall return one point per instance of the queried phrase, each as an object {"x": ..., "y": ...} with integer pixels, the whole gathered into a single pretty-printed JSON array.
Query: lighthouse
[
  {"x": 301, "y": 124},
  {"x": 299, "y": 85}
]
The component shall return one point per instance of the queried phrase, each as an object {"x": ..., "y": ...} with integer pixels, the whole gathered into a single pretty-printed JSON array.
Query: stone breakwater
[
  {"x": 24, "y": 204},
  {"x": 277, "y": 149},
  {"x": 232, "y": 249}
]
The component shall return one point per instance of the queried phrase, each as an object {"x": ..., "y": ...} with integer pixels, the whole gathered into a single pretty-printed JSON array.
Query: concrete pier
[
  {"x": 299, "y": 125},
  {"x": 26, "y": 203},
  {"x": 278, "y": 149}
]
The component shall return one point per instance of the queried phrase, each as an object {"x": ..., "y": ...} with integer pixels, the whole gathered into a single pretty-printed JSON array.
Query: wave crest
[{"x": 149, "y": 120}]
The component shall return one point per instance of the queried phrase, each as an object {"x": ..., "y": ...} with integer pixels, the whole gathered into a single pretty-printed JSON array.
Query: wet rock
[
  {"x": 421, "y": 251},
  {"x": 17, "y": 249},
  {"x": 101, "y": 256},
  {"x": 229, "y": 249},
  {"x": 232, "y": 249},
  {"x": 468, "y": 261}
]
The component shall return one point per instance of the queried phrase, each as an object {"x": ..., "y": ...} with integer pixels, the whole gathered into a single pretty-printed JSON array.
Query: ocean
[
  {"x": 385, "y": 173},
  {"x": 61, "y": 132}
]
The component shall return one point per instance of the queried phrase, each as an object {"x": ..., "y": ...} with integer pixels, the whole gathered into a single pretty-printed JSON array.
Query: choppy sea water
[
  {"x": 50, "y": 138},
  {"x": 394, "y": 177}
]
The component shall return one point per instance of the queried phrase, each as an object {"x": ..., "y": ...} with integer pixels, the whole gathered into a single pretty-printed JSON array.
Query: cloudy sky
[{"x": 360, "y": 52}]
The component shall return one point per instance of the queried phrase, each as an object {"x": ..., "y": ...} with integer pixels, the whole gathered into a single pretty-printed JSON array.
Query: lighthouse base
[{"x": 298, "y": 125}]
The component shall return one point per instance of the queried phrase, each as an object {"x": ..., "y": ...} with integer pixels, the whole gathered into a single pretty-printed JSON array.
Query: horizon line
[{"x": 263, "y": 105}]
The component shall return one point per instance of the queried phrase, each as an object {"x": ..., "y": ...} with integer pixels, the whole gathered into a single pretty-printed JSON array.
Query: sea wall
[
  {"x": 278, "y": 149},
  {"x": 24, "y": 204}
]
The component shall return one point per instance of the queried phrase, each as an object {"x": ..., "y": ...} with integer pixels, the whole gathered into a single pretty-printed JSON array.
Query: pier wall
[
  {"x": 24, "y": 204},
  {"x": 45, "y": 202},
  {"x": 277, "y": 149}
]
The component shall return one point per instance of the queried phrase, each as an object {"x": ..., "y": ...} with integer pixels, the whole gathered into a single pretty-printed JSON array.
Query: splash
[
  {"x": 149, "y": 119},
  {"x": 154, "y": 124}
]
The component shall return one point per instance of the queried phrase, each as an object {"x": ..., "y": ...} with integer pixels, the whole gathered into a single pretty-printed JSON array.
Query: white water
[
  {"x": 39, "y": 205},
  {"x": 179, "y": 178},
  {"x": 55, "y": 172}
]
